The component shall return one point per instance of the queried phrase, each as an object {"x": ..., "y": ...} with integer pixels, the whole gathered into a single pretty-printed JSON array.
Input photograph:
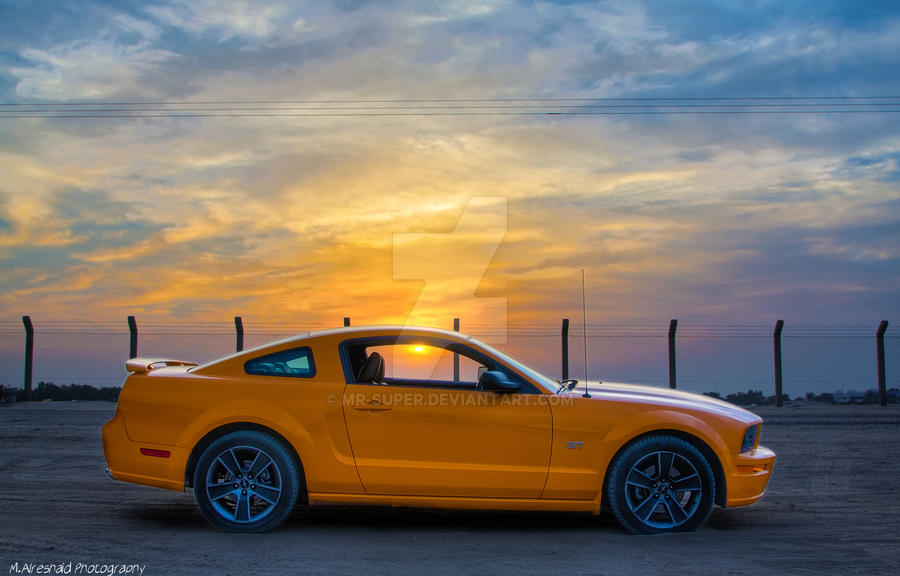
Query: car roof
[
  {"x": 385, "y": 329},
  {"x": 348, "y": 331}
]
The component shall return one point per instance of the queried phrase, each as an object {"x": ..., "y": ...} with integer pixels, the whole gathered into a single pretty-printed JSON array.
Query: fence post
[
  {"x": 673, "y": 326},
  {"x": 456, "y": 355},
  {"x": 239, "y": 334},
  {"x": 132, "y": 327},
  {"x": 565, "y": 349},
  {"x": 346, "y": 321},
  {"x": 879, "y": 352},
  {"x": 29, "y": 355},
  {"x": 779, "y": 325}
]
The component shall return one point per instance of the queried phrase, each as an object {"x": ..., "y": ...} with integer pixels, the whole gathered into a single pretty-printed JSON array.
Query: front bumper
[{"x": 749, "y": 476}]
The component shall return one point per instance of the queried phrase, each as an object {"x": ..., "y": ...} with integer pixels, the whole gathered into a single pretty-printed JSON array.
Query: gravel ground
[{"x": 829, "y": 510}]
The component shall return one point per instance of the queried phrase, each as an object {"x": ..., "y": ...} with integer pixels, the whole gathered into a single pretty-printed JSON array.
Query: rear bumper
[
  {"x": 748, "y": 478},
  {"x": 125, "y": 462}
]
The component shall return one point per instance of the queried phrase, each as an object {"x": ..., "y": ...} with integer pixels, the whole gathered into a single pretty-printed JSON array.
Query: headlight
[{"x": 749, "y": 441}]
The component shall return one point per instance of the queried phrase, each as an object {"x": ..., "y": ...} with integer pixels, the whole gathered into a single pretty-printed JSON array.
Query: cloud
[
  {"x": 294, "y": 218},
  {"x": 803, "y": 53},
  {"x": 228, "y": 19},
  {"x": 71, "y": 222},
  {"x": 91, "y": 69},
  {"x": 5, "y": 224},
  {"x": 883, "y": 166}
]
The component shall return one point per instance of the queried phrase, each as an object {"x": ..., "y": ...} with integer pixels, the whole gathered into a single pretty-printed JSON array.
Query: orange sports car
[{"x": 407, "y": 416}]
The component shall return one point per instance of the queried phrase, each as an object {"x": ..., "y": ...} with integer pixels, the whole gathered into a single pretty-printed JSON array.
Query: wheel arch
[
  {"x": 696, "y": 442},
  {"x": 217, "y": 433}
]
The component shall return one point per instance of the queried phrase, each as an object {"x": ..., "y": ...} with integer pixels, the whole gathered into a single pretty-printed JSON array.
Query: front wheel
[
  {"x": 246, "y": 481},
  {"x": 661, "y": 484}
]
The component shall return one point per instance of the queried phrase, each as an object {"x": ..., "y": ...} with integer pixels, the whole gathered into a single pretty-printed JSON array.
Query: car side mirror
[{"x": 496, "y": 381}]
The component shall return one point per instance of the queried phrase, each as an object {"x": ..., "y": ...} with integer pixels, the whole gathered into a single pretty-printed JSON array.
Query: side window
[
  {"x": 296, "y": 363},
  {"x": 427, "y": 364}
]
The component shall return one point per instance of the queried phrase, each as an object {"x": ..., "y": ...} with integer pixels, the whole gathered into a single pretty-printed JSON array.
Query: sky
[{"x": 458, "y": 203}]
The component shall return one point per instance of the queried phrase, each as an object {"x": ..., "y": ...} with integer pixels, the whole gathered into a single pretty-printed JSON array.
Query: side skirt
[{"x": 325, "y": 498}]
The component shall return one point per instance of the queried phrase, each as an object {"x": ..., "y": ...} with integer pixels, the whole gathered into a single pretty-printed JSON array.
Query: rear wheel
[
  {"x": 661, "y": 484},
  {"x": 246, "y": 481}
]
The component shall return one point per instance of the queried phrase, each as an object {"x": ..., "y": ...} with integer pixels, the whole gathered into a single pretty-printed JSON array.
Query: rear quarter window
[{"x": 293, "y": 363}]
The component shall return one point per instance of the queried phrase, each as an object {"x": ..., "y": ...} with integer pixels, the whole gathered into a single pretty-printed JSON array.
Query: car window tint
[{"x": 297, "y": 362}]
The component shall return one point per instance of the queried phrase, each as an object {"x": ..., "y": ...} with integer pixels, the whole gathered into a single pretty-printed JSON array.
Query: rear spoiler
[{"x": 145, "y": 365}]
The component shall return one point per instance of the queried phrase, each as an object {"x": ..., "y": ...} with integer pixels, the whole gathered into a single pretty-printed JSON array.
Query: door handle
[{"x": 373, "y": 406}]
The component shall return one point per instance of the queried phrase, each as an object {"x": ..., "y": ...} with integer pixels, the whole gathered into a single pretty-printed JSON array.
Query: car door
[{"x": 434, "y": 433}]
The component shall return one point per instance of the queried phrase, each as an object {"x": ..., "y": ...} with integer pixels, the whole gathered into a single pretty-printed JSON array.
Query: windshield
[{"x": 547, "y": 384}]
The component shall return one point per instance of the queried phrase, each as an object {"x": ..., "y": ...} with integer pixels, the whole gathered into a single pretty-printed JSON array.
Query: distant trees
[
  {"x": 759, "y": 398},
  {"x": 50, "y": 391},
  {"x": 748, "y": 398}
]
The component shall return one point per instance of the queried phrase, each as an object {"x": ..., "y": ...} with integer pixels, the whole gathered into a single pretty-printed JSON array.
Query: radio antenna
[{"x": 584, "y": 335}]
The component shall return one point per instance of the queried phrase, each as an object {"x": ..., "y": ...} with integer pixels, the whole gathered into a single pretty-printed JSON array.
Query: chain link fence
[{"x": 709, "y": 358}]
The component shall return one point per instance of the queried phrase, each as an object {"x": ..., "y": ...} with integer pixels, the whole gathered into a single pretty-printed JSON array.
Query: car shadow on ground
[
  {"x": 402, "y": 519},
  {"x": 184, "y": 515}
]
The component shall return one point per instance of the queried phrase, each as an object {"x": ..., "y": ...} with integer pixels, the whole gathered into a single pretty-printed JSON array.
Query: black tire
[
  {"x": 246, "y": 481},
  {"x": 661, "y": 484}
]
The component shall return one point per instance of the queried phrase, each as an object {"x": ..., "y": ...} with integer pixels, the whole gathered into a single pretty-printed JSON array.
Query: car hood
[{"x": 652, "y": 395}]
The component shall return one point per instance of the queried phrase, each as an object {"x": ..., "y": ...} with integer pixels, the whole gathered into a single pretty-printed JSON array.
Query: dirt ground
[{"x": 831, "y": 508}]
